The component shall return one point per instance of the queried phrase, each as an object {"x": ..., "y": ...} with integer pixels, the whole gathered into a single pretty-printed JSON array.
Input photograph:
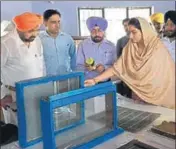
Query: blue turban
[{"x": 97, "y": 21}]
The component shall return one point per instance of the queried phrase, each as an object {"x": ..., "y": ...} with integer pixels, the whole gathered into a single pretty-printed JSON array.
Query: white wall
[
  {"x": 9, "y": 9},
  {"x": 70, "y": 15},
  {"x": 68, "y": 9}
]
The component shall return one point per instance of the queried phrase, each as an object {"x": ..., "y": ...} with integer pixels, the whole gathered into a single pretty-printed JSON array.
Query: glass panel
[
  {"x": 115, "y": 29},
  {"x": 139, "y": 12},
  {"x": 68, "y": 114},
  {"x": 96, "y": 124},
  {"x": 32, "y": 96}
]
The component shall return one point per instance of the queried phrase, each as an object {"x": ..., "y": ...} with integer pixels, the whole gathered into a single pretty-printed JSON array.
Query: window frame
[
  {"x": 103, "y": 12},
  {"x": 86, "y": 8}
]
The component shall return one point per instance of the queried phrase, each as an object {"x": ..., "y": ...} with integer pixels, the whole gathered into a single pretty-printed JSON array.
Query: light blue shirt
[
  {"x": 103, "y": 53},
  {"x": 59, "y": 53}
]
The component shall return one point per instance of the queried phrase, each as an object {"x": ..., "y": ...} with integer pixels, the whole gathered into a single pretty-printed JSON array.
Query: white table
[{"x": 144, "y": 135}]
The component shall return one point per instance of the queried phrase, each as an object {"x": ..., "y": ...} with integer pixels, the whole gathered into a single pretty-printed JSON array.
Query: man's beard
[
  {"x": 96, "y": 39},
  {"x": 171, "y": 34},
  {"x": 22, "y": 37},
  {"x": 28, "y": 40}
]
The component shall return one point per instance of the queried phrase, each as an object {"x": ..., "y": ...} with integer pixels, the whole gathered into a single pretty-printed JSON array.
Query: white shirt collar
[{"x": 167, "y": 39}]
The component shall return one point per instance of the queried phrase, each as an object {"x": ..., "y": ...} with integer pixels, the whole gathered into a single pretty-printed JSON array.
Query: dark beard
[
  {"x": 28, "y": 40},
  {"x": 96, "y": 39},
  {"x": 172, "y": 35},
  {"x": 22, "y": 37}
]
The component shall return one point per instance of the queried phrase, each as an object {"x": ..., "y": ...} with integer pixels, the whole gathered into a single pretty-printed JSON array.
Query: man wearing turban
[
  {"x": 21, "y": 55},
  {"x": 170, "y": 32},
  {"x": 158, "y": 22},
  {"x": 96, "y": 48}
]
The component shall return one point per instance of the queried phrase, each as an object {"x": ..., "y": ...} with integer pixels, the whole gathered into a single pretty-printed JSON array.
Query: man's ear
[{"x": 45, "y": 23}]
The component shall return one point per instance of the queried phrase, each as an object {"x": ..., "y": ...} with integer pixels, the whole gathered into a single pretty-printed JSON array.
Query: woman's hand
[{"x": 89, "y": 82}]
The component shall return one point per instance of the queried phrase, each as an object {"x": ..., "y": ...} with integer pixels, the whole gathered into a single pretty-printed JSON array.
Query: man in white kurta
[
  {"x": 21, "y": 55},
  {"x": 170, "y": 32}
]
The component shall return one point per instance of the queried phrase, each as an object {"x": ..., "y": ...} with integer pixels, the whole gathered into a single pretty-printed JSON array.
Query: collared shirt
[
  {"x": 170, "y": 46},
  {"x": 121, "y": 43},
  {"x": 59, "y": 53},
  {"x": 103, "y": 53},
  {"x": 19, "y": 62}
]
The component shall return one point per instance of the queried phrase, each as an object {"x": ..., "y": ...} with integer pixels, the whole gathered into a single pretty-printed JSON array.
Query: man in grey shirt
[
  {"x": 121, "y": 43},
  {"x": 123, "y": 89}
]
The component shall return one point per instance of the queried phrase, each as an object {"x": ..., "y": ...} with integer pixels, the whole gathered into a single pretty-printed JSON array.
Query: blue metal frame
[
  {"x": 22, "y": 130},
  {"x": 47, "y": 106}
]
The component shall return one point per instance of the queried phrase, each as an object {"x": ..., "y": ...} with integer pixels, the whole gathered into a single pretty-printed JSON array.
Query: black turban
[{"x": 170, "y": 15}]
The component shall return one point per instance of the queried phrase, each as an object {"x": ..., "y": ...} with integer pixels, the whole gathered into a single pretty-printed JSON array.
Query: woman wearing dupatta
[{"x": 145, "y": 66}]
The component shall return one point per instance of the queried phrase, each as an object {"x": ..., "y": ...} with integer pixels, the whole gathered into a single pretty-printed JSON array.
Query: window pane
[
  {"x": 96, "y": 123},
  {"x": 115, "y": 28},
  {"x": 139, "y": 12},
  {"x": 84, "y": 15}
]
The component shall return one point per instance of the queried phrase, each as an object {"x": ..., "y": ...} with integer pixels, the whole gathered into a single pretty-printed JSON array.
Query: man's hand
[
  {"x": 6, "y": 101},
  {"x": 89, "y": 68},
  {"x": 100, "y": 68}
]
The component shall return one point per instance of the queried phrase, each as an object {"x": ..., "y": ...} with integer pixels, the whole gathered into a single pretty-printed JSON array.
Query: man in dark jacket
[
  {"x": 121, "y": 43},
  {"x": 124, "y": 40}
]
